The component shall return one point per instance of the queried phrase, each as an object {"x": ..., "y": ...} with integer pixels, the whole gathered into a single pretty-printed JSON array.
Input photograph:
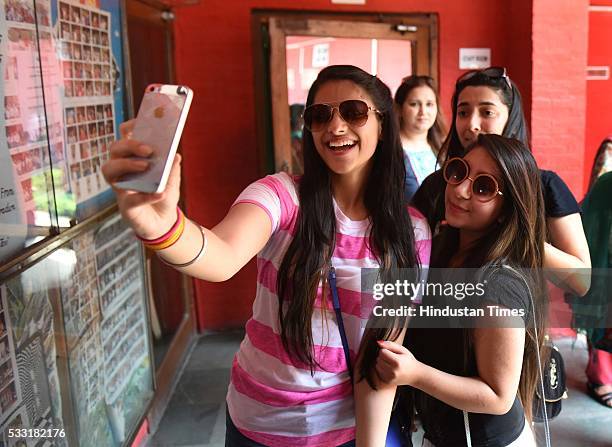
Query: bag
[
  {"x": 554, "y": 386},
  {"x": 397, "y": 435}
]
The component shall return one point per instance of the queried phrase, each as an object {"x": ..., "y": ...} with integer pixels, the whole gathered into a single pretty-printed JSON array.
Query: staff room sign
[{"x": 474, "y": 58}]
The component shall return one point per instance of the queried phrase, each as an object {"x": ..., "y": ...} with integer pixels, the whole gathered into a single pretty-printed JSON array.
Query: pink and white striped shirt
[{"x": 272, "y": 399}]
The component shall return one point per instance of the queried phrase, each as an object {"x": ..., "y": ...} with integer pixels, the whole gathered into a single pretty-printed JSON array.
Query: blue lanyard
[{"x": 336, "y": 303}]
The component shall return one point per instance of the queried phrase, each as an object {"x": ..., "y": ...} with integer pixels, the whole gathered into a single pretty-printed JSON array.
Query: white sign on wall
[
  {"x": 320, "y": 55},
  {"x": 474, "y": 58}
]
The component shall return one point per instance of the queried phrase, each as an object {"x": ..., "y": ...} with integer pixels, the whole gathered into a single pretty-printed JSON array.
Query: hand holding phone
[{"x": 159, "y": 125}]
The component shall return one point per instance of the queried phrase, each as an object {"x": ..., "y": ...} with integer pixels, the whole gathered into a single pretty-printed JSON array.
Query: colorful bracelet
[
  {"x": 195, "y": 259},
  {"x": 170, "y": 238}
]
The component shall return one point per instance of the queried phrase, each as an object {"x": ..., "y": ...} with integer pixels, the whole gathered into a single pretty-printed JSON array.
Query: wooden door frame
[{"x": 421, "y": 28}]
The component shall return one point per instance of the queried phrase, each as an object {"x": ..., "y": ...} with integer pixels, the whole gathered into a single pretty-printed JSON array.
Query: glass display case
[
  {"x": 63, "y": 81},
  {"x": 75, "y": 350}
]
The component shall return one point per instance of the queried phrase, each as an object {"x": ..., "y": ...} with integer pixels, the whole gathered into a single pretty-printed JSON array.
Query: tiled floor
[{"x": 196, "y": 413}]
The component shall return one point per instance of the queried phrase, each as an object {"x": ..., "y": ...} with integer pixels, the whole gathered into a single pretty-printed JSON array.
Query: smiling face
[
  {"x": 464, "y": 211},
  {"x": 346, "y": 149},
  {"x": 419, "y": 110},
  {"x": 479, "y": 110}
]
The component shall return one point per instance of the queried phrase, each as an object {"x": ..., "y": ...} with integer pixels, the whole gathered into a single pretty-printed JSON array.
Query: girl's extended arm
[{"x": 242, "y": 233}]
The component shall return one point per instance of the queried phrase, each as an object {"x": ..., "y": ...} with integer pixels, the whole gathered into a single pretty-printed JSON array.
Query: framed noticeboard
[
  {"x": 75, "y": 350},
  {"x": 106, "y": 327},
  {"x": 62, "y": 77},
  {"x": 30, "y": 397},
  {"x": 89, "y": 41}
]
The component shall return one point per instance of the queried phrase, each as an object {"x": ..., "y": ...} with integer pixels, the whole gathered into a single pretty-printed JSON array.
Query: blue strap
[
  {"x": 336, "y": 303},
  {"x": 394, "y": 437}
]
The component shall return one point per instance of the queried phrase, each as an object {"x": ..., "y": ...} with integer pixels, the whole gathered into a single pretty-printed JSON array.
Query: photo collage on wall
[
  {"x": 121, "y": 301},
  {"x": 83, "y": 33},
  {"x": 105, "y": 320},
  {"x": 30, "y": 396},
  {"x": 29, "y": 127}
]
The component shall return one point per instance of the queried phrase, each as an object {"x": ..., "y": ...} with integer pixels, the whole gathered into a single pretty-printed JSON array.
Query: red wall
[
  {"x": 214, "y": 57},
  {"x": 559, "y": 88},
  {"x": 599, "y": 92}
]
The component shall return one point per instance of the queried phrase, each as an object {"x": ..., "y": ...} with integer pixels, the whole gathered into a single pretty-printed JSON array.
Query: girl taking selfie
[{"x": 290, "y": 384}]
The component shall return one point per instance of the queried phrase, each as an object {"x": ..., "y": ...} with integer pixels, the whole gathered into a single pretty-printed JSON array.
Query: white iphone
[{"x": 159, "y": 124}]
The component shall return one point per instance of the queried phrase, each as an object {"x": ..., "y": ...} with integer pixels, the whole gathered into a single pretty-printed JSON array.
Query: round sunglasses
[
  {"x": 484, "y": 186},
  {"x": 353, "y": 111}
]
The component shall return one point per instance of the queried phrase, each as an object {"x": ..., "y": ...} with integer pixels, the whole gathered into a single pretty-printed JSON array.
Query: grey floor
[{"x": 196, "y": 413}]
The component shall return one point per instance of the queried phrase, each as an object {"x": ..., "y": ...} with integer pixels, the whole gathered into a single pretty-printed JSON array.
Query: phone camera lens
[{"x": 180, "y": 90}]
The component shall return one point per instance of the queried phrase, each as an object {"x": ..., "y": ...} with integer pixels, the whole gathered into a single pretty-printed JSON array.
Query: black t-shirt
[
  {"x": 558, "y": 199},
  {"x": 451, "y": 350}
]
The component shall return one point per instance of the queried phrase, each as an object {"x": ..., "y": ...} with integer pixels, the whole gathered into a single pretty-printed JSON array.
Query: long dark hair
[
  {"x": 599, "y": 160},
  {"x": 437, "y": 132},
  {"x": 515, "y": 239},
  {"x": 516, "y": 126},
  {"x": 308, "y": 257}
]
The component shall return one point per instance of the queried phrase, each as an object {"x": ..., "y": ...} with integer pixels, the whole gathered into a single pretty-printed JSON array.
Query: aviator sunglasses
[
  {"x": 491, "y": 72},
  {"x": 484, "y": 186},
  {"x": 353, "y": 111}
]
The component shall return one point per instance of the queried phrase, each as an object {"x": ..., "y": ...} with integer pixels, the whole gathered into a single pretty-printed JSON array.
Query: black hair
[
  {"x": 308, "y": 257},
  {"x": 516, "y": 126},
  {"x": 599, "y": 161}
]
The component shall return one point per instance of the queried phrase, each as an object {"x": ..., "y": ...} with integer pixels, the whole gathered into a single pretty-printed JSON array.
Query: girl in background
[
  {"x": 422, "y": 128},
  {"x": 487, "y": 101},
  {"x": 602, "y": 162},
  {"x": 593, "y": 312}
]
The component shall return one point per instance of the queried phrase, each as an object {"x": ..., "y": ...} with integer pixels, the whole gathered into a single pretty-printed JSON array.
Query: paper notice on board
[{"x": 12, "y": 214}]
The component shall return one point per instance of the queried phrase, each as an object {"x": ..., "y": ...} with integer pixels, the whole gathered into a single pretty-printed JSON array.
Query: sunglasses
[
  {"x": 353, "y": 111},
  {"x": 491, "y": 73},
  {"x": 484, "y": 186}
]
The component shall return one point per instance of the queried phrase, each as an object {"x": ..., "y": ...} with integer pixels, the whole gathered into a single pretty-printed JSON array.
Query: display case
[
  {"x": 75, "y": 350},
  {"x": 63, "y": 81}
]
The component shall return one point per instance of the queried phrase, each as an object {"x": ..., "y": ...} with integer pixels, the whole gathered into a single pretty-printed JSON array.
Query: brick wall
[
  {"x": 599, "y": 92},
  {"x": 558, "y": 104},
  {"x": 214, "y": 57}
]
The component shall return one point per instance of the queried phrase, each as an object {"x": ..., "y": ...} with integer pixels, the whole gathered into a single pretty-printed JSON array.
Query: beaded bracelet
[
  {"x": 170, "y": 238},
  {"x": 196, "y": 258}
]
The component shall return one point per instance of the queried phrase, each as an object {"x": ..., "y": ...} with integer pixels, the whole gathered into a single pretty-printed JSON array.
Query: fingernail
[
  {"x": 141, "y": 164},
  {"x": 145, "y": 150}
]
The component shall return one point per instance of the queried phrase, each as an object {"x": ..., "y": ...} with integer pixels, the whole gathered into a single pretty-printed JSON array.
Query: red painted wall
[
  {"x": 559, "y": 88},
  {"x": 214, "y": 57},
  {"x": 599, "y": 92}
]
